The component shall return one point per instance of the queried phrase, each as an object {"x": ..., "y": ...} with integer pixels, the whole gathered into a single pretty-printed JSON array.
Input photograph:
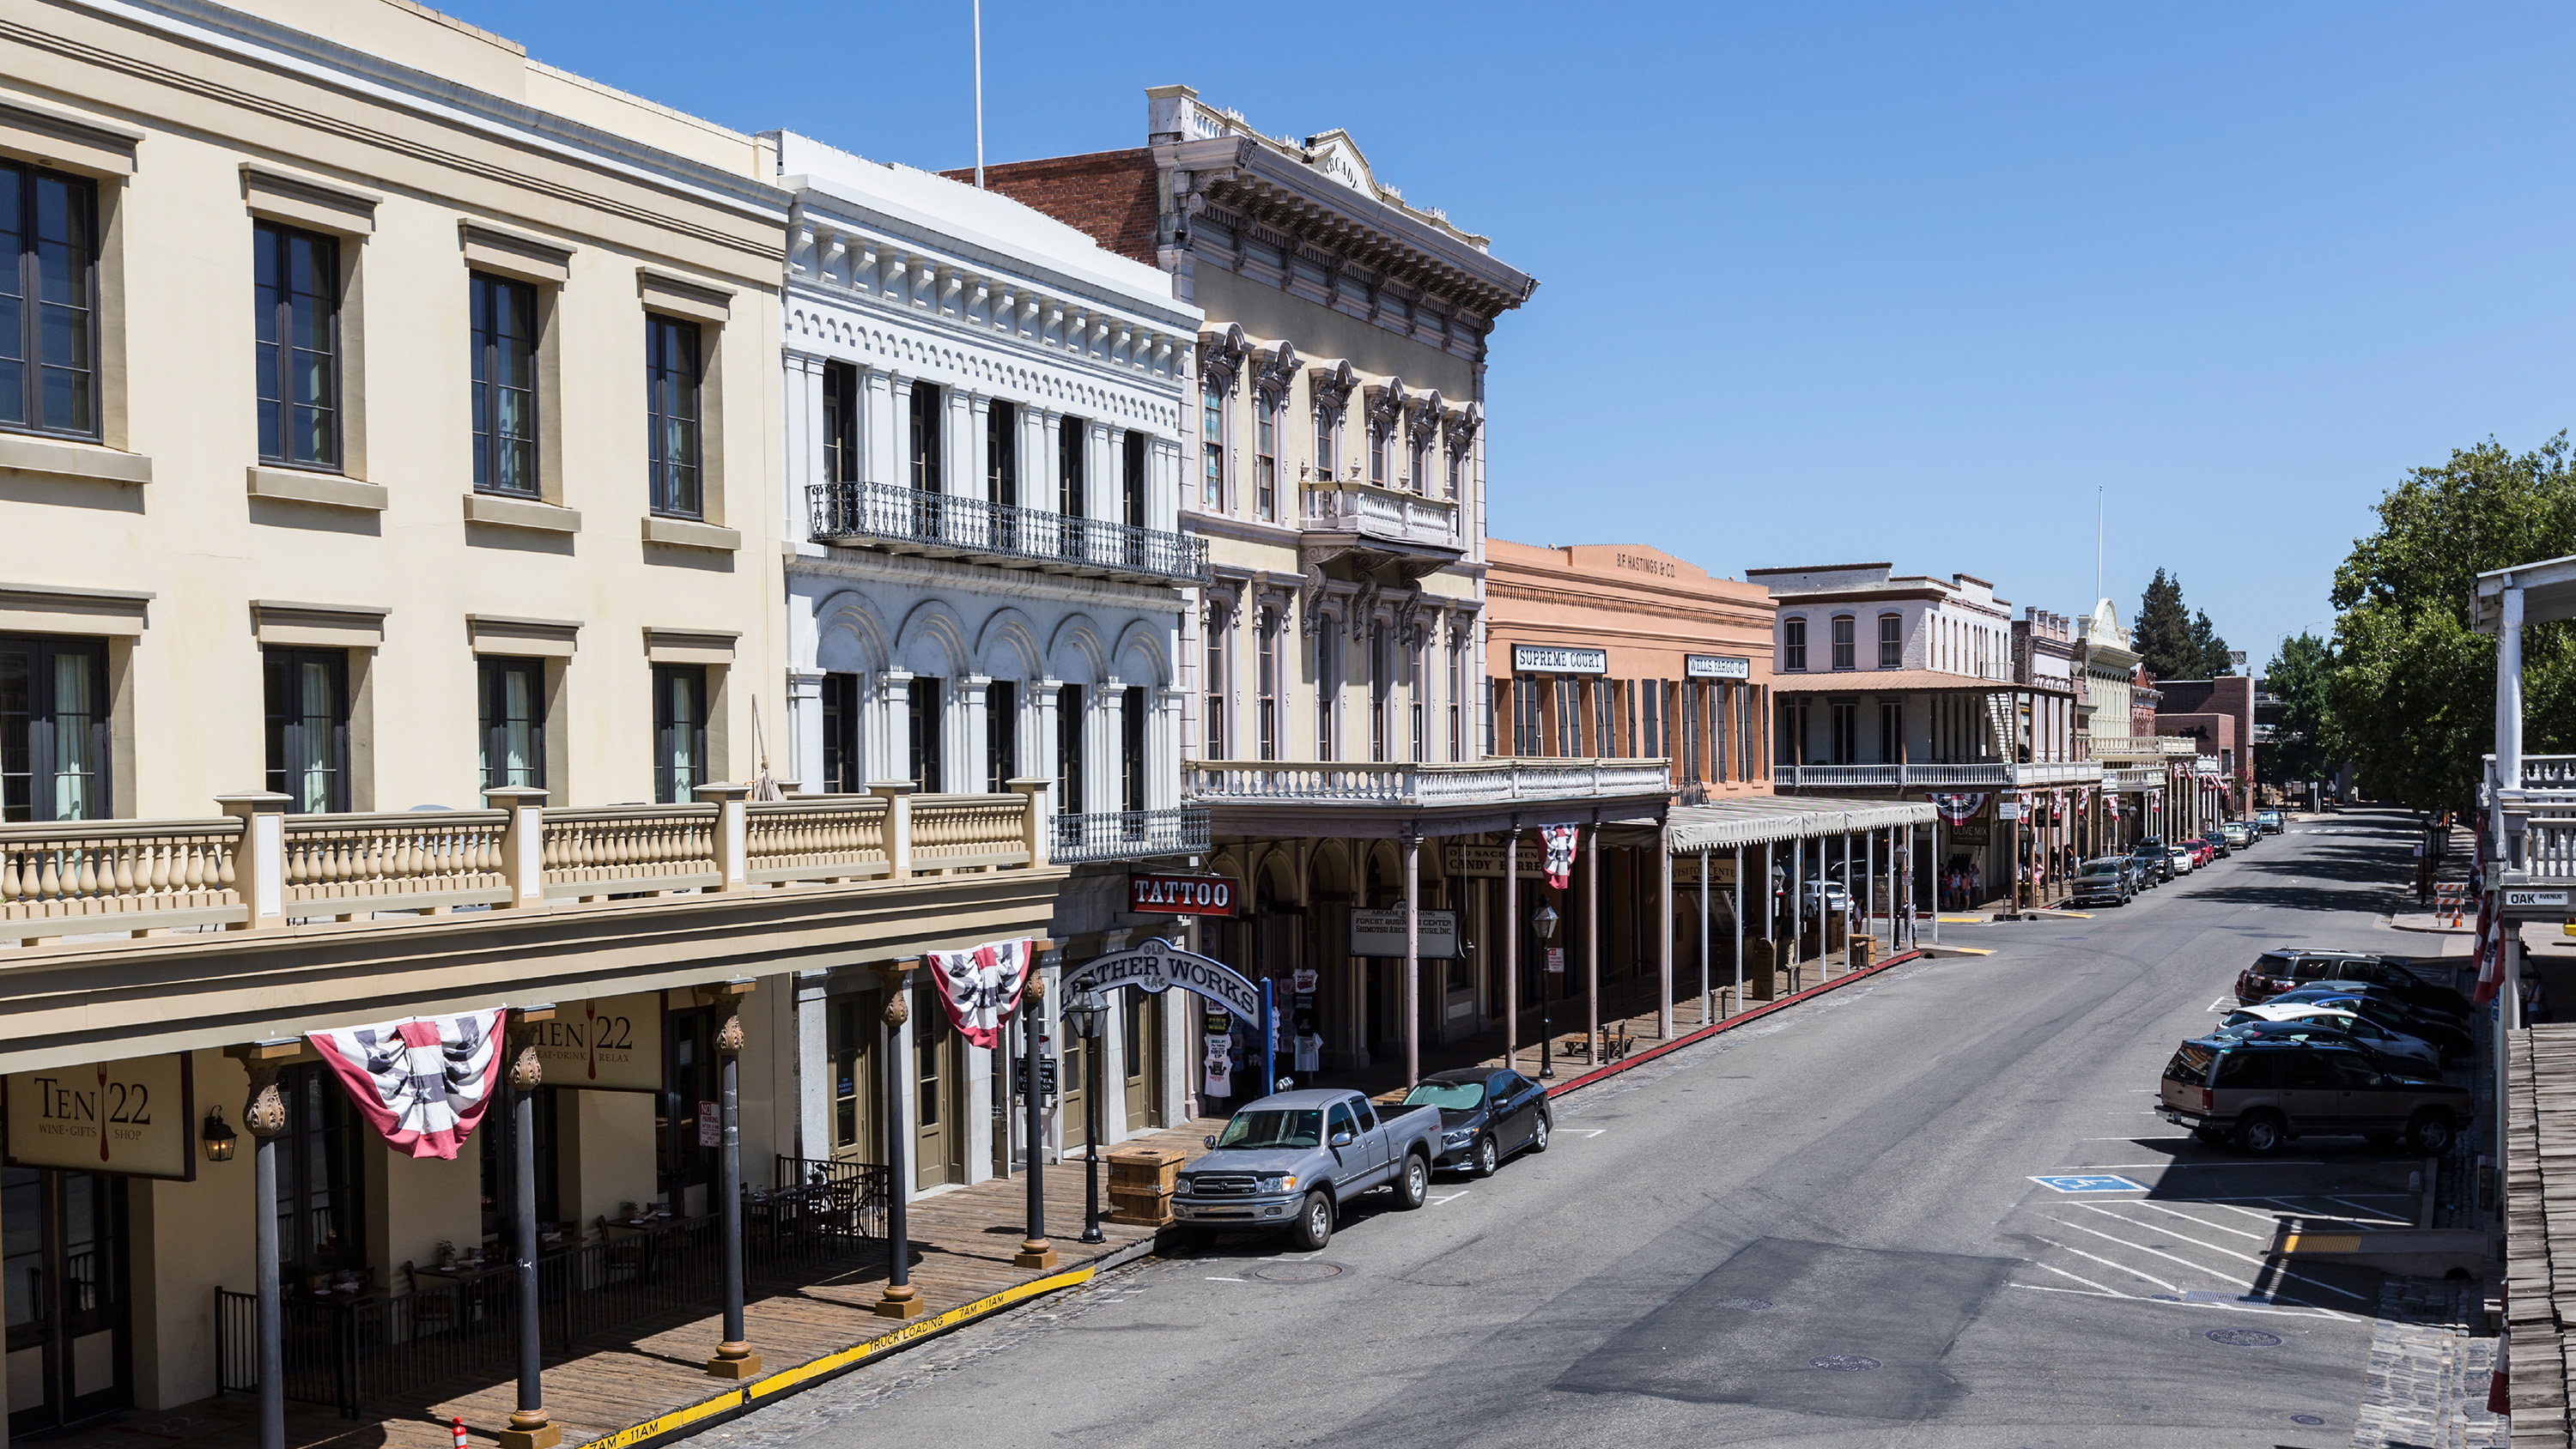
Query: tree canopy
[
  {"x": 2173, "y": 642},
  {"x": 2410, "y": 700},
  {"x": 2298, "y": 675}
]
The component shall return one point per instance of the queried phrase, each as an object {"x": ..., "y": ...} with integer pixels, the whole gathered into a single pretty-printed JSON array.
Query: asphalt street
[{"x": 1820, "y": 1229}]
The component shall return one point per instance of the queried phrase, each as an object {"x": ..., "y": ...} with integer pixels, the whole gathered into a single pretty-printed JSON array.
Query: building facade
[
  {"x": 985, "y": 585},
  {"x": 1336, "y": 472}
]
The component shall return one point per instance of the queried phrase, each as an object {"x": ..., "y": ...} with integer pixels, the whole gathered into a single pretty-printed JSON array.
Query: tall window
[
  {"x": 1212, "y": 682},
  {"x": 923, "y": 717},
  {"x": 1265, "y": 455},
  {"x": 1419, "y": 479},
  {"x": 1843, "y": 651},
  {"x": 53, "y": 729},
  {"x": 1566, "y": 706},
  {"x": 1793, "y": 644},
  {"x": 840, "y": 423},
  {"x": 1605, "y": 719},
  {"x": 1457, "y": 460},
  {"x": 671, "y": 379},
  {"x": 1002, "y": 453},
  {"x": 1212, "y": 445},
  {"x": 1459, "y": 686},
  {"x": 1001, "y": 735},
  {"x": 1071, "y": 499},
  {"x": 926, "y": 474},
  {"x": 505, "y": 385},
  {"x": 1525, "y": 728},
  {"x": 1687, "y": 698},
  {"x": 1793, "y": 733},
  {"x": 513, "y": 695},
  {"x": 1891, "y": 732},
  {"x": 1070, "y": 761},
  {"x": 841, "y": 768},
  {"x": 1328, "y": 691},
  {"x": 1131, "y": 479},
  {"x": 48, "y": 302},
  {"x": 1891, "y": 641},
  {"x": 321, "y": 1175},
  {"x": 1131, "y": 747},
  {"x": 1845, "y": 723},
  {"x": 296, "y": 309},
  {"x": 307, "y": 693},
  {"x": 1381, "y": 442},
  {"x": 1381, "y": 683},
  {"x": 1651, "y": 694},
  {"x": 1265, "y": 626},
  {"x": 1418, "y": 667},
  {"x": 1327, "y": 435},
  {"x": 679, "y": 732}
]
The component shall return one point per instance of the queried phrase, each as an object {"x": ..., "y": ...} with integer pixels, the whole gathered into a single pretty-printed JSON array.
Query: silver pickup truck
[{"x": 1287, "y": 1163}]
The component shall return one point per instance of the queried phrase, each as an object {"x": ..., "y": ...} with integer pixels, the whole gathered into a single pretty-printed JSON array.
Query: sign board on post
[
  {"x": 710, "y": 1124},
  {"x": 609, "y": 1043},
  {"x": 2007, "y": 810},
  {"x": 1556, "y": 959},
  {"x": 1471, "y": 858},
  {"x": 1558, "y": 659},
  {"x": 1381, "y": 933},
  {"x": 2519, "y": 899},
  {"x": 136, "y": 1117},
  {"x": 1716, "y": 666},
  {"x": 1180, "y": 895}
]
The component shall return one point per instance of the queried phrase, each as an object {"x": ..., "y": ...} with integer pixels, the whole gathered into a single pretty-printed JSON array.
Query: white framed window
[{"x": 1212, "y": 445}]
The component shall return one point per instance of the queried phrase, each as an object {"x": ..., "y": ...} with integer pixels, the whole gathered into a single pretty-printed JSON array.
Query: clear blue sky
[{"x": 1826, "y": 284}]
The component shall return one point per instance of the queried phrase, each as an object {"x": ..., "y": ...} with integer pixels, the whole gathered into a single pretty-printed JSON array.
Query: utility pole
[{"x": 979, "y": 95}]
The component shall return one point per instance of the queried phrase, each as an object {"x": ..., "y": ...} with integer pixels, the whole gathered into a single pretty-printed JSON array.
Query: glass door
[
  {"x": 1141, "y": 1039},
  {"x": 69, "y": 1358}
]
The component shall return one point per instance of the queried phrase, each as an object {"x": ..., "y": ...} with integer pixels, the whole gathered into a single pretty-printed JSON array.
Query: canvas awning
[{"x": 1726, "y": 824}]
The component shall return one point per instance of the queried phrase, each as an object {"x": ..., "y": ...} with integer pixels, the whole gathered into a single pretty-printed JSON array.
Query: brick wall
[{"x": 1107, "y": 194}]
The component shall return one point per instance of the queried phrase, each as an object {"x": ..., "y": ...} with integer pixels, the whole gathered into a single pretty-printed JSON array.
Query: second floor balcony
[
  {"x": 946, "y": 525},
  {"x": 2141, "y": 747},
  {"x": 1989, "y": 775},
  {"x": 1479, "y": 782},
  {"x": 1128, "y": 834},
  {"x": 1388, "y": 517}
]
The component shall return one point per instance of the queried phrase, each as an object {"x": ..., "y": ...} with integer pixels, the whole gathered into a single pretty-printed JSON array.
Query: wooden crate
[{"x": 1144, "y": 1169}]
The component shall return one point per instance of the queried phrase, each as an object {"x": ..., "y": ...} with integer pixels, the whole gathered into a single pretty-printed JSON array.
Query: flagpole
[{"x": 979, "y": 96}]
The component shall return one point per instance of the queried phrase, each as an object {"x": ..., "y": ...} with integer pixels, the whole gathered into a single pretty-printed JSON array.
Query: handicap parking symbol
[{"x": 2092, "y": 1183}]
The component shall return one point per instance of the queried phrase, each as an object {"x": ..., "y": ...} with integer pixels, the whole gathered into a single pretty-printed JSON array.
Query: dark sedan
[{"x": 1485, "y": 1116}]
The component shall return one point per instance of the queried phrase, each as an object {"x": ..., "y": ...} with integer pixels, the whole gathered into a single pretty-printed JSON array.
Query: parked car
[
  {"x": 2156, "y": 860},
  {"x": 2261, "y": 1093},
  {"x": 2289, "y": 967},
  {"x": 2380, "y": 1039},
  {"x": 2384, "y": 1007},
  {"x": 1485, "y": 1116},
  {"x": 2205, "y": 848},
  {"x": 2268, "y": 821},
  {"x": 1287, "y": 1163},
  {"x": 2216, "y": 845},
  {"x": 2238, "y": 834},
  {"x": 2184, "y": 862},
  {"x": 2105, "y": 880},
  {"x": 2310, "y": 1029},
  {"x": 2140, "y": 875},
  {"x": 1827, "y": 895}
]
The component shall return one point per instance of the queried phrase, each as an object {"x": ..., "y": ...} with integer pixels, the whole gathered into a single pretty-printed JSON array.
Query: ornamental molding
[
  {"x": 1421, "y": 424},
  {"x": 1277, "y": 372},
  {"x": 1332, "y": 386},
  {"x": 1462, "y": 425},
  {"x": 1385, "y": 405},
  {"x": 1221, "y": 356}
]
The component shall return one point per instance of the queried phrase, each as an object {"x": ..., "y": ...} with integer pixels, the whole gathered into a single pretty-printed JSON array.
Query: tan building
[{"x": 389, "y": 582}]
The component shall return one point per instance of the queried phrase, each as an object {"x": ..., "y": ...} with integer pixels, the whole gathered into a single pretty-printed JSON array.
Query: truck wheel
[
  {"x": 1413, "y": 1186},
  {"x": 2430, "y": 1132},
  {"x": 2261, "y": 1134},
  {"x": 1538, "y": 1134},
  {"x": 1314, "y": 1223},
  {"x": 1487, "y": 1158}
]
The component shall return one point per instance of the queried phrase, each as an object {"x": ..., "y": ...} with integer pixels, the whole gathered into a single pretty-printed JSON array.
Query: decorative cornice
[
  {"x": 1331, "y": 386},
  {"x": 1221, "y": 355},
  {"x": 1277, "y": 372}
]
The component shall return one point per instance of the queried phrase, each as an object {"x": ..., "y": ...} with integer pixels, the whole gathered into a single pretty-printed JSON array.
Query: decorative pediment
[
  {"x": 1385, "y": 405},
  {"x": 1462, "y": 426},
  {"x": 1337, "y": 156},
  {"x": 1424, "y": 419},
  {"x": 1276, "y": 370},
  {"x": 1332, "y": 386},
  {"x": 1221, "y": 355}
]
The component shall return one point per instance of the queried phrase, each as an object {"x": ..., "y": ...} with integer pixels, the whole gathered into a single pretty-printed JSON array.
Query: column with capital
[
  {"x": 734, "y": 1358},
  {"x": 264, "y": 1113},
  {"x": 530, "y": 1425}
]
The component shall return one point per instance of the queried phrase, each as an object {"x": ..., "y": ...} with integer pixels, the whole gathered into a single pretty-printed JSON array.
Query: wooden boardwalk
[{"x": 963, "y": 1240}]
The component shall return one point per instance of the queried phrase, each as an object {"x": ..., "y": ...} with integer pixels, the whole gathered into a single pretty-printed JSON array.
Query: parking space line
[
  {"x": 2107, "y": 1263},
  {"x": 2141, "y": 1247},
  {"x": 2087, "y": 1282},
  {"x": 2203, "y": 1222},
  {"x": 2374, "y": 1212},
  {"x": 1448, "y": 1197},
  {"x": 2232, "y": 1253}
]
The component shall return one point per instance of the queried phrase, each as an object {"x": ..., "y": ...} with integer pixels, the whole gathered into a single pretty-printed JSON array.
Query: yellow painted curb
[
  {"x": 1961, "y": 920},
  {"x": 1964, "y": 950},
  {"x": 2320, "y": 1243},
  {"x": 830, "y": 1363}
]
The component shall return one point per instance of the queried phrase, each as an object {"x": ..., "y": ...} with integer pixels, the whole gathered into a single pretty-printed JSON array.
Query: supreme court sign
[
  {"x": 137, "y": 1117},
  {"x": 609, "y": 1043},
  {"x": 1558, "y": 659},
  {"x": 1180, "y": 895}
]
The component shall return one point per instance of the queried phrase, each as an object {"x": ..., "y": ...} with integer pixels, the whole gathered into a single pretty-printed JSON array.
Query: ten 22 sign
[
  {"x": 611, "y": 1043},
  {"x": 134, "y": 1117}
]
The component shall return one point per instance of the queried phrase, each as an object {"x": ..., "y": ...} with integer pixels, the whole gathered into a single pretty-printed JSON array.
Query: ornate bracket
[
  {"x": 1310, "y": 601},
  {"x": 1277, "y": 371},
  {"x": 1221, "y": 356}
]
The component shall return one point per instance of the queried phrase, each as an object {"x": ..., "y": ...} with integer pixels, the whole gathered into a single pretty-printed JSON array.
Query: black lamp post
[
  {"x": 1084, "y": 1011},
  {"x": 1543, "y": 927}
]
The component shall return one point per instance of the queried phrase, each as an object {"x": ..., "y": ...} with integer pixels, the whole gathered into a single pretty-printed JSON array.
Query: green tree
[
  {"x": 2411, "y": 699},
  {"x": 2298, "y": 676},
  {"x": 2162, "y": 633},
  {"x": 2209, "y": 653}
]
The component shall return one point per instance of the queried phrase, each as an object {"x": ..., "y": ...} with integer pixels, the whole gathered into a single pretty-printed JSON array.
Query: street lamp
[
  {"x": 1085, "y": 1010},
  {"x": 1543, "y": 926}
]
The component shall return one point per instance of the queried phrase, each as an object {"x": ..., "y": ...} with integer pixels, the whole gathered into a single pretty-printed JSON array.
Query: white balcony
[
  {"x": 1994, "y": 775},
  {"x": 2141, "y": 747},
  {"x": 1381, "y": 515},
  {"x": 1483, "y": 782}
]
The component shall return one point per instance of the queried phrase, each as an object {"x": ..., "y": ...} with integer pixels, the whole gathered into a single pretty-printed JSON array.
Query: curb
[
  {"x": 707, "y": 1413},
  {"x": 1640, "y": 1058}
]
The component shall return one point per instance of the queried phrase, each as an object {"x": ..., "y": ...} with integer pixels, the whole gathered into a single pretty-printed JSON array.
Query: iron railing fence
[{"x": 890, "y": 514}]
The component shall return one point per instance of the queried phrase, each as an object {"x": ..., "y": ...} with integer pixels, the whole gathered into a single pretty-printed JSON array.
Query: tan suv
[{"x": 2263, "y": 1093}]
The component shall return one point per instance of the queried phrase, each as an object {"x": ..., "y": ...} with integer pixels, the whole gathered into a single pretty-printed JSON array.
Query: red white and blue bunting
[
  {"x": 421, "y": 1083},
  {"x": 980, "y": 987}
]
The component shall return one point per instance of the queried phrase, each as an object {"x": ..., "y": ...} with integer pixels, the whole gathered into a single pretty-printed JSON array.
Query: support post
[
  {"x": 531, "y": 1427},
  {"x": 900, "y": 1299},
  {"x": 264, "y": 1113},
  {"x": 1592, "y": 943},
  {"x": 1512, "y": 947},
  {"x": 898, "y": 825},
  {"x": 1739, "y": 928},
  {"x": 1664, "y": 940},
  {"x": 734, "y": 1358},
  {"x": 259, "y": 862},
  {"x": 1797, "y": 911},
  {"x": 1034, "y": 1252},
  {"x": 1704, "y": 1005},
  {"x": 1091, "y": 1113},
  {"x": 733, "y": 832},
  {"x": 1412, "y": 993},
  {"x": 522, "y": 843}
]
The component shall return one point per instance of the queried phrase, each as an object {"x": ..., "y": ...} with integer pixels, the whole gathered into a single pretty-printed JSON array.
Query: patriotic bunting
[
  {"x": 1559, "y": 841},
  {"x": 422, "y": 1083},
  {"x": 980, "y": 988}
]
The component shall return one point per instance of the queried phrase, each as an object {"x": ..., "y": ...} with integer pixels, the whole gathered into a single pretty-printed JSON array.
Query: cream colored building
[{"x": 396, "y": 419}]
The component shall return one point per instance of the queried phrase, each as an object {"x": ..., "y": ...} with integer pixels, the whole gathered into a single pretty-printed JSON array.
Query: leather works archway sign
[{"x": 1158, "y": 966}]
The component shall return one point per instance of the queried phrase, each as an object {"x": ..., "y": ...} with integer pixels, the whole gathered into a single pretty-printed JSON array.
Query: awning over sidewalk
[{"x": 1726, "y": 824}]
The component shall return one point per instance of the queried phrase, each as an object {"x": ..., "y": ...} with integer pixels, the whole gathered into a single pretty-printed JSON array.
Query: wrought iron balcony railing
[
  {"x": 1127, "y": 834},
  {"x": 909, "y": 520}
]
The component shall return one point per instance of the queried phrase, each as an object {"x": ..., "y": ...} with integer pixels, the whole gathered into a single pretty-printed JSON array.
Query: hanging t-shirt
[
  {"x": 1219, "y": 1065},
  {"x": 1310, "y": 1053}
]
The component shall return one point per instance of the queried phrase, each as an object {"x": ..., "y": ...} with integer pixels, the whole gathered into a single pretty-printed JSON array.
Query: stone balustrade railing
[
  {"x": 258, "y": 867},
  {"x": 1431, "y": 784}
]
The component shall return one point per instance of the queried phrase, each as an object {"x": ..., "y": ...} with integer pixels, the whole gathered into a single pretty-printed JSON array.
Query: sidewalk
[{"x": 649, "y": 1385}]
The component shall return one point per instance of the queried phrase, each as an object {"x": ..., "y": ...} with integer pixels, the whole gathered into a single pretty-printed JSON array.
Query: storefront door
[
  {"x": 851, "y": 1037},
  {"x": 939, "y": 1136},
  {"x": 1073, "y": 1083},
  {"x": 1141, "y": 1039},
  {"x": 65, "y": 1264}
]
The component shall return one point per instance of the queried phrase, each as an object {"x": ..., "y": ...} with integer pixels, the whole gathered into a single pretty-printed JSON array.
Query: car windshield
[
  {"x": 1447, "y": 1096},
  {"x": 1274, "y": 1127}
]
